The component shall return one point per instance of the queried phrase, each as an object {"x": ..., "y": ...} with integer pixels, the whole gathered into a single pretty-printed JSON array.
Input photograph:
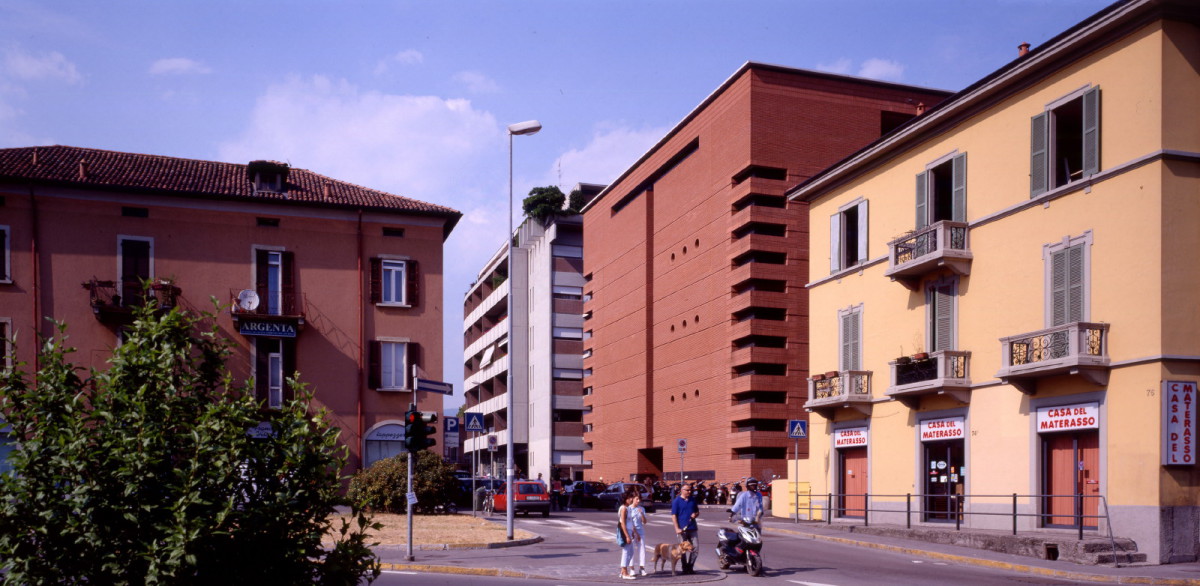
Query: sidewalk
[
  {"x": 856, "y": 535},
  {"x": 507, "y": 559}
]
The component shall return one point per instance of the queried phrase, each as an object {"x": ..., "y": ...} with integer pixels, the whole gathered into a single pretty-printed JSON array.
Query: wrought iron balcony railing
[
  {"x": 287, "y": 303},
  {"x": 113, "y": 301},
  {"x": 941, "y": 244},
  {"x": 946, "y": 372},
  {"x": 1077, "y": 348},
  {"x": 832, "y": 390}
]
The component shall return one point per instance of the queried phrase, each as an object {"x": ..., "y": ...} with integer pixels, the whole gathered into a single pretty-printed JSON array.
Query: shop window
[
  {"x": 848, "y": 236},
  {"x": 942, "y": 191},
  {"x": 1065, "y": 141}
]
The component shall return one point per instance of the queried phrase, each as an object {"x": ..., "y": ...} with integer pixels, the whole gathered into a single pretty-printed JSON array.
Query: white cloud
[
  {"x": 842, "y": 66},
  {"x": 881, "y": 69},
  {"x": 416, "y": 146},
  {"x": 477, "y": 83},
  {"x": 53, "y": 66},
  {"x": 406, "y": 57},
  {"x": 611, "y": 151},
  {"x": 178, "y": 66}
]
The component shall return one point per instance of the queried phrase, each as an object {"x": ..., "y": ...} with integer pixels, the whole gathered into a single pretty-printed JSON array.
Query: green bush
[
  {"x": 382, "y": 487},
  {"x": 145, "y": 473}
]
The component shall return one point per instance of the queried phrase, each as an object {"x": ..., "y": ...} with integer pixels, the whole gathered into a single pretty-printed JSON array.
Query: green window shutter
[
  {"x": 1091, "y": 131},
  {"x": 1038, "y": 172},
  {"x": 851, "y": 340},
  {"x": 835, "y": 243},
  {"x": 922, "y": 200},
  {"x": 959, "y": 191},
  {"x": 941, "y": 298},
  {"x": 1075, "y": 291},
  {"x": 1058, "y": 288},
  {"x": 862, "y": 232}
]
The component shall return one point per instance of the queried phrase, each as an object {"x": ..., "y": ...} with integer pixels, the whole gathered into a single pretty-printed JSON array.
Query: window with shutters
[
  {"x": 5, "y": 256},
  {"x": 850, "y": 338},
  {"x": 6, "y": 344},
  {"x": 275, "y": 282},
  {"x": 942, "y": 191},
  {"x": 1065, "y": 141},
  {"x": 394, "y": 282},
  {"x": 136, "y": 265},
  {"x": 391, "y": 361},
  {"x": 1067, "y": 280},
  {"x": 275, "y": 360},
  {"x": 848, "y": 236},
  {"x": 942, "y": 314}
]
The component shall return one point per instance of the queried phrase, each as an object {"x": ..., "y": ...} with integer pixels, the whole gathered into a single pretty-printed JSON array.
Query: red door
[
  {"x": 854, "y": 482},
  {"x": 1072, "y": 469}
]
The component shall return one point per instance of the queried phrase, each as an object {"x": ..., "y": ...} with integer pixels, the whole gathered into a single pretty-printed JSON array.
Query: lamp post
[{"x": 519, "y": 129}]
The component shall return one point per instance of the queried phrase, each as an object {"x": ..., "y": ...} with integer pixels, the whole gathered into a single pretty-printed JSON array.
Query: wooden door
[
  {"x": 1063, "y": 475},
  {"x": 854, "y": 482}
]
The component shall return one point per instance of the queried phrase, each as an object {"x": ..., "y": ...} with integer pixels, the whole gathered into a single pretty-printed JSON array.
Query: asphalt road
[{"x": 579, "y": 547}]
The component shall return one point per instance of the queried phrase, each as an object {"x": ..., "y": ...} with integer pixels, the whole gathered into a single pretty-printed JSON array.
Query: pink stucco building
[{"x": 340, "y": 282}]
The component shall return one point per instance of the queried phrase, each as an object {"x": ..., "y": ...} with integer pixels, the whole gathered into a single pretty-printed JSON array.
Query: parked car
[
  {"x": 528, "y": 496},
  {"x": 613, "y": 496},
  {"x": 585, "y": 494}
]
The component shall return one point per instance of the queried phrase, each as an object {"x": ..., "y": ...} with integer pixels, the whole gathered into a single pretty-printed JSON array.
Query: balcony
[
  {"x": 941, "y": 244},
  {"x": 279, "y": 317},
  {"x": 846, "y": 389},
  {"x": 945, "y": 372},
  {"x": 1075, "y": 349},
  {"x": 113, "y": 301}
]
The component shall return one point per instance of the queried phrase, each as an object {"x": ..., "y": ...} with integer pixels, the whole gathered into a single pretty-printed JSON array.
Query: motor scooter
[{"x": 741, "y": 546}]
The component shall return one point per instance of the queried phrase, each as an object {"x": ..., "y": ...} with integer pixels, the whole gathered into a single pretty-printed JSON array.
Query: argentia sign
[
  {"x": 1068, "y": 417},
  {"x": 852, "y": 437},
  {"x": 1179, "y": 423},
  {"x": 934, "y": 430}
]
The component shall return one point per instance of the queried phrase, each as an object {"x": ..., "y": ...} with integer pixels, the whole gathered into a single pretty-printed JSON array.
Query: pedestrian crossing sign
[{"x": 797, "y": 429}]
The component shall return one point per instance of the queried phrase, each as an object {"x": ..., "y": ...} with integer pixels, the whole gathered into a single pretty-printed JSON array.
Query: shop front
[
  {"x": 1070, "y": 444},
  {"x": 851, "y": 447},
  {"x": 945, "y": 470}
]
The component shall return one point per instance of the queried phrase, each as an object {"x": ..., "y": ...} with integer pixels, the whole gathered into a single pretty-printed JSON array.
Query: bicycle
[{"x": 489, "y": 501}]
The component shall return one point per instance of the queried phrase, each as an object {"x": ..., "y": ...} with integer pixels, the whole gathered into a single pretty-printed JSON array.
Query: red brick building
[
  {"x": 339, "y": 282},
  {"x": 695, "y": 311}
]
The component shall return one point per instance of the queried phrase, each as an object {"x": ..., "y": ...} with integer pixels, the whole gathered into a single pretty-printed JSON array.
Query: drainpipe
[
  {"x": 362, "y": 342},
  {"x": 37, "y": 283}
]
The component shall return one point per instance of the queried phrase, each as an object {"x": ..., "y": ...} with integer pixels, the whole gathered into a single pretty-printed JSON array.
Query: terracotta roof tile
[{"x": 61, "y": 165}]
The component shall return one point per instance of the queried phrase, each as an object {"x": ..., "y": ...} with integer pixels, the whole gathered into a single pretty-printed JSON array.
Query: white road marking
[{"x": 809, "y": 583}]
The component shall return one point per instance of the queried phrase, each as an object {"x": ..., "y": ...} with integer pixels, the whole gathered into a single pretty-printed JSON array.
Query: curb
[
  {"x": 1010, "y": 566},
  {"x": 495, "y": 572},
  {"x": 490, "y": 545}
]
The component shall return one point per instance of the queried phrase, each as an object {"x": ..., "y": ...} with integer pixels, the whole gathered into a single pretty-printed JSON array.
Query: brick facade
[{"x": 695, "y": 310}]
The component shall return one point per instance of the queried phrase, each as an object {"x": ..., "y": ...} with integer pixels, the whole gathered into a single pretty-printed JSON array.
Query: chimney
[
  {"x": 326, "y": 191},
  {"x": 920, "y": 108},
  {"x": 1022, "y": 49},
  {"x": 34, "y": 156},
  {"x": 83, "y": 170}
]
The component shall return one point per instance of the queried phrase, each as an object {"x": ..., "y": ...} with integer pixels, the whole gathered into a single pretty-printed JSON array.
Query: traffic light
[{"x": 417, "y": 430}]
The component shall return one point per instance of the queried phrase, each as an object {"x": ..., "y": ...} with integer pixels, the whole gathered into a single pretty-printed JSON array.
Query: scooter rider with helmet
[{"x": 749, "y": 503}]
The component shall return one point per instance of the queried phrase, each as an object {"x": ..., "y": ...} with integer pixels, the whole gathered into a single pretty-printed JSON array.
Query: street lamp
[{"x": 526, "y": 128}]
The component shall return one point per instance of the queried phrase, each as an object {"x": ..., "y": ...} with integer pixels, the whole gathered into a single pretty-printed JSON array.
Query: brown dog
[{"x": 672, "y": 552}]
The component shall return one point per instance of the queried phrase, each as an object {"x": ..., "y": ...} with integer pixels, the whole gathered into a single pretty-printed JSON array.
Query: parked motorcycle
[
  {"x": 722, "y": 494},
  {"x": 741, "y": 546}
]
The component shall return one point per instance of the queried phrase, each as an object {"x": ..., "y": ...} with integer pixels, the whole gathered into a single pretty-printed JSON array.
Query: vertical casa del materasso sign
[{"x": 273, "y": 329}]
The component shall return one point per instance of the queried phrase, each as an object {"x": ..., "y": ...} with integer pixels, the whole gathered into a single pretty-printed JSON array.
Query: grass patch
[{"x": 431, "y": 529}]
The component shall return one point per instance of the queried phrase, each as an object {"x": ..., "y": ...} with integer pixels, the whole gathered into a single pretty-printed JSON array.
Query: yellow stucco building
[{"x": 1011, "y": 302}]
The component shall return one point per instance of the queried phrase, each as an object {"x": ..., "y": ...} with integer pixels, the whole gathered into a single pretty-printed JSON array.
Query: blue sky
[{"x": 412, "y": 97}]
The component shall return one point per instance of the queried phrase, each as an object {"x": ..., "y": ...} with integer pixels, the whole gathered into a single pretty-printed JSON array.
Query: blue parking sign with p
[{"x": 797, "y": 429}]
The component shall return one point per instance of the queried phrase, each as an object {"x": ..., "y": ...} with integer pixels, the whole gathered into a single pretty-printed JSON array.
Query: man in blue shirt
[
  {"x": 684, "y": 511},
  {"x": 749, "y": 503}
]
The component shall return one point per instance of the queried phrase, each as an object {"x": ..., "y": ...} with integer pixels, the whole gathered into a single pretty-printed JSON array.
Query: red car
[{"x": 528, "y": 496}]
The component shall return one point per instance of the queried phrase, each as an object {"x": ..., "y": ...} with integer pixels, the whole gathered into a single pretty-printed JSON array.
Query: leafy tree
[
  {"x": 576, "y": 201},
  {"x": 382, "y": 487},
  {"x": 145, "y": 473},
  {"x": 544, "y": 203}
]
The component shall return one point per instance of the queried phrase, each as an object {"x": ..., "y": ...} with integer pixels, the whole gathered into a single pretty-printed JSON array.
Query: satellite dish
[{"x": 247, "y": 300}]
